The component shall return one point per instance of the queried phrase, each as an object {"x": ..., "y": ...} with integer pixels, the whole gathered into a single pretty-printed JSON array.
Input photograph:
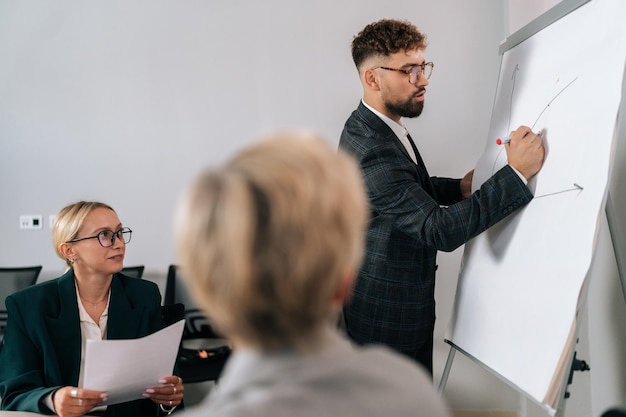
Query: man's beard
[{"x": 408, "y": 109}]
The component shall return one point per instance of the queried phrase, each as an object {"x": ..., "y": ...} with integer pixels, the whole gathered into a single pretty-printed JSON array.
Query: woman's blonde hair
[
  {"x": 265, "y": 241},
  {"x": 68, "y": 222}
]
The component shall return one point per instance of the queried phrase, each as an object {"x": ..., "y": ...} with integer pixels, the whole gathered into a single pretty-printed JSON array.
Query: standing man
[{"x": 413, "y": 215}]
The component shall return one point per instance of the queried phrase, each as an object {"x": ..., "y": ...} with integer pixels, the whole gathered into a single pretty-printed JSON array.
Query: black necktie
[
  {"x": 418, "y": 157},
  {"x": 421, "y": 168}
]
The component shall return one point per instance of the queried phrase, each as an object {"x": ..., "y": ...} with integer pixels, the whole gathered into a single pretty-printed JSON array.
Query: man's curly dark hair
[{"x": 386, "y": 37}]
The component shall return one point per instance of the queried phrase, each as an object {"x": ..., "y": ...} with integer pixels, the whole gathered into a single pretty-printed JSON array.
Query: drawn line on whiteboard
[
  {"x": 514, "y": 78},
  {"x": 550, "y": 102},
  {"x": 576, "y": 188},
  {"x": 495, "y": 161}
]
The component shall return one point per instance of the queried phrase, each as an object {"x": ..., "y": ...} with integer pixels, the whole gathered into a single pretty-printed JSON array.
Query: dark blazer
[
  {"x": 413, "y": 216},
  {"x": 42, "y": 342}
]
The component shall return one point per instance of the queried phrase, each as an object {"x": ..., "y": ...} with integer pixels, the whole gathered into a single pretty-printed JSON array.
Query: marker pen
[
  {"x": 507, "y": 139},
  {"x": 504, "y": 141}
]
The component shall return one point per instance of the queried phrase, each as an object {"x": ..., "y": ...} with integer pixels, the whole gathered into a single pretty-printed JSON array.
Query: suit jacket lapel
[
  {"x": 123, "y": 322},
  {"x": 383, "y": 129},
  {"x": 66, "y": 327}
]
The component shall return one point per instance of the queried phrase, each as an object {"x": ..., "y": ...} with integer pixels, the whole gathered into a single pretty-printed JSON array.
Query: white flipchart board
[{"x": 521, "y": 282}]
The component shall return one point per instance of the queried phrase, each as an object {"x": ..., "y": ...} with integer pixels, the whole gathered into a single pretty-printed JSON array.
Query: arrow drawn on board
[{"x": 576, "y": 187}]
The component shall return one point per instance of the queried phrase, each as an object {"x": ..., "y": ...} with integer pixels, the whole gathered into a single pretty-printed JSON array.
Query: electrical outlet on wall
[{"x": 31, "y": 221}]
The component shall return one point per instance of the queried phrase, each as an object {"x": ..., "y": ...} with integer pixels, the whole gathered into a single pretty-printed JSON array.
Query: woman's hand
[
  {"x": 74, "y": 402},
  {"x": 169, "y": 393}
]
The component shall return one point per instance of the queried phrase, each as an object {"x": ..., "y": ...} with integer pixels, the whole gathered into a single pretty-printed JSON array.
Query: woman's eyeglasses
[{"x": 106, "y": 238}]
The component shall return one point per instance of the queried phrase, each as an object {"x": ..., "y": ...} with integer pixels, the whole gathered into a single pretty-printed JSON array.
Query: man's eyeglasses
[
  {"x": 414, "y": 73},
  {"x": 106, "y": 238}
]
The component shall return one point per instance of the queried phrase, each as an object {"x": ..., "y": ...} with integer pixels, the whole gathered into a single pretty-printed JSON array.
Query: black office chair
[
  {"x": 615, "y": 412},
  {"x": 13, "y": 280},
  {"x": 203, "y": 352},
  {"x": 133, "y": 271}
]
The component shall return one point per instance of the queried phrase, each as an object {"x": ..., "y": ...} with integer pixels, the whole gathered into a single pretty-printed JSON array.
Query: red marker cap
[{"x": 500, "y": 141}]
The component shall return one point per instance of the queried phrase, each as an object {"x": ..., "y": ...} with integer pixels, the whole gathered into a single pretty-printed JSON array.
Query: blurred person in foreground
[{"x": 270, "y": 245}]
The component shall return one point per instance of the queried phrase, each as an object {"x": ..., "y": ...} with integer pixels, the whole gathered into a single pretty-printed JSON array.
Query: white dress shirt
[{"x": 397, "y": 128}]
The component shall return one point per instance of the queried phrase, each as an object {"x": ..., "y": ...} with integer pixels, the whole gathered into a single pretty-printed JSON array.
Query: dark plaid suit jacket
[{"x": 412, "y": 217}]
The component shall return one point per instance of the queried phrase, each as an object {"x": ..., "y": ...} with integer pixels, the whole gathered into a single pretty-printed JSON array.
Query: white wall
[
  {"x": 522, "y": 12},
  {"x": 125, "y": 101}
]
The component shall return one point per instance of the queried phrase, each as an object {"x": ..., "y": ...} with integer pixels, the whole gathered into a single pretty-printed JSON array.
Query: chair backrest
[
  {"x": 197, "y": 325},
  {"x": 205, "y": 360},
  {"x": 172, "y": 313},
  {"x": 133, "y": 271},
  {"x": 13, "y": 280}
]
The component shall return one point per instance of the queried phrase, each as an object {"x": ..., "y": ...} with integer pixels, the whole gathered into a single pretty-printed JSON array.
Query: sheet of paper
[{"x": 125, "y": 368}]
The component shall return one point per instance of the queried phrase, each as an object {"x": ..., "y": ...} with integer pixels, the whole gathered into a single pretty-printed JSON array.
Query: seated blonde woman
[
  {"x": 270, "y": 244},
  {"x": 43, "y": 357}
]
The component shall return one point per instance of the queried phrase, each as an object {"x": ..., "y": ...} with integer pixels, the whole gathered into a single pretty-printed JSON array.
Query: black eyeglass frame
[
  {"x": 411, "y": 72},
  {"x": 120, "y": 234}
]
